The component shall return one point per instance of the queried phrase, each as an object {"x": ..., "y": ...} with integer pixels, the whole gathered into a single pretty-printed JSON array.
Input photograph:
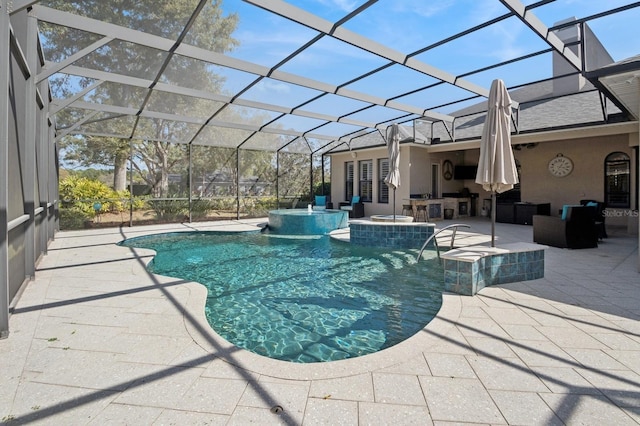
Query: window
[
  {"x": 366, "y": 180},
  {"x": 383, "y": 189},
  {"x": 617, "y": 180},
  {"x": 348, "y": 184}
]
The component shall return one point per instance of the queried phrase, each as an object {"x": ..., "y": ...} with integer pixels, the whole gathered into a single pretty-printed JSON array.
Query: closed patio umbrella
[
  {"x": 393, "y": 177},
  {"x": 496, "y": 167}
]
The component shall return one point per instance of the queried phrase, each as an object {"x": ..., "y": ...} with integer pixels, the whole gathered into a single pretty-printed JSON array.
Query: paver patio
[{"x": 96, "y": 339}]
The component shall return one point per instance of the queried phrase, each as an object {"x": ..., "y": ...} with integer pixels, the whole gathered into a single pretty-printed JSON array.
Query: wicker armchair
[
  {"x": 578, "y": 230},
  {"x": 600, "y": 215},
  {"x": 355, "y": 207}
]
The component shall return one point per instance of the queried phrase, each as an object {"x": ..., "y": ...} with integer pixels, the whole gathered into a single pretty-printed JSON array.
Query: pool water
[{"x": 302, "y": 299}]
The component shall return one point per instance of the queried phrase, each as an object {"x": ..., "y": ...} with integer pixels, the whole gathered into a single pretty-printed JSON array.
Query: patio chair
[
  {"x": 576, "y": 228},
  {"x": 355, "y": 207},
  {"x": 320, "y": 202},
  {"x": 600, "y": 215}
]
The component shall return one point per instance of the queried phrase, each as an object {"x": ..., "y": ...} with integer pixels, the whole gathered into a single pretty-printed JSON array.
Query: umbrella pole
[
  {"x": 394, "y": 204},
  {"x": 493, "y": 219}
]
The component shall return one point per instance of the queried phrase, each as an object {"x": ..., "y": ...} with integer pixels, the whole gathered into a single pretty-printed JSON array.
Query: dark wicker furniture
[
  {"x": 577, "y": 231},
  {"x": 600, "y": 216},
  {"x": 355, "y": 208}
]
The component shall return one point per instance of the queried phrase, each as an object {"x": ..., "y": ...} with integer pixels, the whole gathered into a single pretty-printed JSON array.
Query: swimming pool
[{"x": 302, "y": 299}]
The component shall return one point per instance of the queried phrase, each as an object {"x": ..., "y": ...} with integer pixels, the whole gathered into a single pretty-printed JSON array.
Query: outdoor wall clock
[
  {"x": 560, "y": 166},
  {"x": 447, "y": 170}
]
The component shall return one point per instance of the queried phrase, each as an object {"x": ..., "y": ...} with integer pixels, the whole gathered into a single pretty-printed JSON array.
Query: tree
[
  {"x": 293, "y": 180},
  {"x": 210, "y": 31}
]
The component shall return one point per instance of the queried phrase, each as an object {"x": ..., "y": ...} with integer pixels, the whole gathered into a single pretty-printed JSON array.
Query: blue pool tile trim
[
  {"x": 305, "y": 222},
  {"x": 392, "y": 235},
  {"x": 469, "y": 270}
]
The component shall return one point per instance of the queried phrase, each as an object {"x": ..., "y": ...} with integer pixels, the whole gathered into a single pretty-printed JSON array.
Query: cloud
[
  {"x": 422, "y": 8},
  {"x": 485, "y": 10},
  {"x": 273, "y": 86},
  {"x": 344, "y": 5}
]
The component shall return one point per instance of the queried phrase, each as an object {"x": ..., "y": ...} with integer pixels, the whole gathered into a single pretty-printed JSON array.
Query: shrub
[
  {"x": 264, "y": 204},
  {"x": 73, "y": 218},
  {"x": 82, "y": 194},
  {"x": 169, "y": 210},
  {"x": 224, "y": 203},
  {"x": 200, "y": 208}
]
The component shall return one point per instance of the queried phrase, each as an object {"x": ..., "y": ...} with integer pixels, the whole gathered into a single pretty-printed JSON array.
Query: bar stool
[
  {"x": 421, "y": 210},
  {"x": 407, "y": 210}
]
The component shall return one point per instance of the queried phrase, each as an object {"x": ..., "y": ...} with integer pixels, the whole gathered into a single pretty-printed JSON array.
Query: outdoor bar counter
[{"x": 436, "y": 207}]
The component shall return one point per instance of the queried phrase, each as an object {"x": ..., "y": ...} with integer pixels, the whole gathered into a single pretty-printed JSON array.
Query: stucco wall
[
  {"x": 421, "y": 161},
  {"x": 585, "y": 182},
  {"x": 338, "y": 178},
  {"x": 537, "y": 184},
  {"x": 415, "y": 175},
  {"x": 420, "y": 171}
]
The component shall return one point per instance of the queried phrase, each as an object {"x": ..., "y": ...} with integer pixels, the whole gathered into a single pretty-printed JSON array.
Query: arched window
[{"x": 617, "y": 182}]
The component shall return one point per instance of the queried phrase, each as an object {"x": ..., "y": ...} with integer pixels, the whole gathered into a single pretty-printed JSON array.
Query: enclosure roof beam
[
  {"x": 144, "y": 83},
  {"x": 217, "y": 123},
  {"x": 51, "y": 68},
  {"x": 538, "y": 27},
  {"x": 16, "y": 6},
  {"x": 137, "y": 37},
  {"x": 314, "y": 22}
]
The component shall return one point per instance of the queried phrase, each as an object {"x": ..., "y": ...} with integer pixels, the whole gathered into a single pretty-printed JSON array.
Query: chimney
[{"x": 574, "y": 83}]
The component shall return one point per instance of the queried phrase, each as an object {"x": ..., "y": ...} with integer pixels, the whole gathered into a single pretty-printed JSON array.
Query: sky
[
  {"x": 407, "y": 26},
  {"x": 415, "y": 23}
]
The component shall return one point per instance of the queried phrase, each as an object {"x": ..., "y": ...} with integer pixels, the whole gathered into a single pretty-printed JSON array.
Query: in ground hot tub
[
  {"x": 305, "y": 222},
  {"x": 391, "y": 218}
]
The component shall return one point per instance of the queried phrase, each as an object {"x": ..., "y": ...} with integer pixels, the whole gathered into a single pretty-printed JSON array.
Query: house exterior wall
[
  {"x": 338, "y": 178},
  {"x": 586, "y": 180},
  {"x": 537, "y": 185},
  {"x": 415, "y": 175},
  {"x": 420, "y": 175}
]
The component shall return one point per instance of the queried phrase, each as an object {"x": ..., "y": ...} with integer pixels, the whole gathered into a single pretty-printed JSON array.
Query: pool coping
[{"x": 208, "y": 339}]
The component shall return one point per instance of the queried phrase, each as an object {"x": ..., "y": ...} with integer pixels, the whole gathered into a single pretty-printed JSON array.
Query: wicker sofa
[{"x": 576, "y": 230}]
